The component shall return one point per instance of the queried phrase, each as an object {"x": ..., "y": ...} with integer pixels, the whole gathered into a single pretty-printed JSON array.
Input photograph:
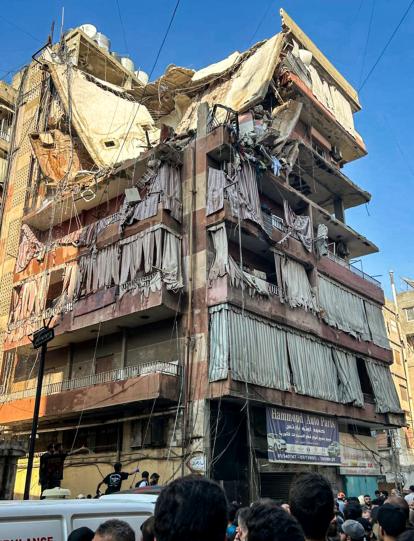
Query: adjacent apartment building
[
  {"x": 396, "y": 447},
  {"x": 188, "y": 240},
  {"x": 7, "y": 100}
]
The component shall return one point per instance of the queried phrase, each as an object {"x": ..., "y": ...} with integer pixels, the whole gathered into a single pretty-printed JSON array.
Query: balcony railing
[
  {"x": 46, "y": 314},
  {"x": 353, "y": 269},
  {"x": 271, "y": 221},
  {"x": 5, "y": 135},
  {"x": 119, "y": 374}
]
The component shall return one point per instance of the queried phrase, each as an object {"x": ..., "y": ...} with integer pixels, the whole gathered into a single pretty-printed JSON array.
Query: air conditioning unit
[{"x": 336, "y": 154}]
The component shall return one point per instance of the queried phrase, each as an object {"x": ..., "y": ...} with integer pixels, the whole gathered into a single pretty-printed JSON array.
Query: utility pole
[{"x": 40, "y": 339}]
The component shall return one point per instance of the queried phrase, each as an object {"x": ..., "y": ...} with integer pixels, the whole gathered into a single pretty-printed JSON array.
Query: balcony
[
  {"x": 114, "y": 388},
  {"x": 354, "y": 269},
  {"x": 350, "y": 276},
  {"x": 75, "y": 321},
  {"x": 5, "y": 135},
  {"x": 118, "y": 374}
]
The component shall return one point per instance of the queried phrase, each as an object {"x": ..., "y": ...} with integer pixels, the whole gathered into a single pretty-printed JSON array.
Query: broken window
[
  {"x": 55, "y": 288},
  {"x": 148, "y": 432},
  {"x": 409, "y": 313}
]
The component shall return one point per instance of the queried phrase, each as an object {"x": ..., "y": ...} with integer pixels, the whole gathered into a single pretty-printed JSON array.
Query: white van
[{"x": 54, "y": 520}]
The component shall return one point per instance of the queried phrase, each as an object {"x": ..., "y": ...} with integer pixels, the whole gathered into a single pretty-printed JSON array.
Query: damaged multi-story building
[{"x": 187, "y": 239}]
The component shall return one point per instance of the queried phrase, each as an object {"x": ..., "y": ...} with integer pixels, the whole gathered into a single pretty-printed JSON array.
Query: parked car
[
  {"x": 276, "y": 443},
  {"x": 334, "y": 449}
]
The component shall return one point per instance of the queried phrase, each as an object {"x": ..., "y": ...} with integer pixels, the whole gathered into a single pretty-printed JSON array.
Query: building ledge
[
  {"x": 330, "y": 180},
  {"x": 236, "y": 390},
  {"x": 271, "y": 308},
  {"x": 352, "y": 277},
  {"x": 60, "y": 255},
  {"x": 122, "y": 388},
  {"x": 352, "y": 147},
  {"x": 105, "y": 311}
]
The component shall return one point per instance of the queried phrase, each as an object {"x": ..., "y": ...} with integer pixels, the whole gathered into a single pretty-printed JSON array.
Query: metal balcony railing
[
  {"x": 271, "y": 221},
  {"x": 353, "y": 269},
  {"x": 119, "y": 374},
  {"x": 5, "y": 135}
]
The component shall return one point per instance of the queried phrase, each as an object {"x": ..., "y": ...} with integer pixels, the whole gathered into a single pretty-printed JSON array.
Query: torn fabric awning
[{"x": 112, "y": 127}]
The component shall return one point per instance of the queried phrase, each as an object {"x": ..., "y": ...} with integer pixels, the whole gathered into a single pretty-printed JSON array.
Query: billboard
[
  {"x": 359, "y": 455},
  {"x": 300, "y": 437}
]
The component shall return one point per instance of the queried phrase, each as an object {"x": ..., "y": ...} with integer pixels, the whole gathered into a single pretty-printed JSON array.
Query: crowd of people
[{"x": 194, "y": 508}]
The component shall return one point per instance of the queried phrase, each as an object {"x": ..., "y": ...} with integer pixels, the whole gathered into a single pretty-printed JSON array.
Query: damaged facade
[
  {"x": 188, "y": 241},
  {"x": 7, "y": 100}
]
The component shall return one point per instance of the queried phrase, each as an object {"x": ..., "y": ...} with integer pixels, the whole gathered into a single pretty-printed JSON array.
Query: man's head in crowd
[
  {"x": 312, "y": 504},
  {"x": 114, "y": 530},
  {"x": 353, "y": 511},
  {"x": 117, "y": 466},
  {"x": 242, "y": 515},
  {"x": 352, "y": 530},
  {"x": 400, "y": 502},
  {"x": 81, "y": 534},
  {"x": 367, "y": 500},
  {"x": 392, "y": 521},
  {"x": 147, "y": 529},
  {"x": 191, "y": 508},
  {"x": 269, "y": 522}
]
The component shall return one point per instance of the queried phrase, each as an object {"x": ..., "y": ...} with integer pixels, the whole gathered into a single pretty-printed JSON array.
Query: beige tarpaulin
[
  {"x": 216, "y": 69},
  {"x": 246, "y": 87},
  {"x": 56, "y": 152},
  {"x": 111, "y": 126}
]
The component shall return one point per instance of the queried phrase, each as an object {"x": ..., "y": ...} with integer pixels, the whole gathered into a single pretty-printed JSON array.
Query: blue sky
[{"x": 206, "y": 31}]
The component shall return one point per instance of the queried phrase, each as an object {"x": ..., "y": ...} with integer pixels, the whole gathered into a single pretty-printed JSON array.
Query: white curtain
[
  {"x": 218, "y": 366},
  {"x": 343, "y": 309},
  {"x": 386, "y": 396},
  {"x": 294, "y": 284},
  {"x": 171, "y": 262},
  {"x": 252, "y": 347},
  {"x": 376, "y": 325},
  {"x": 350, "y": 391},
  {"x": 314, "y": 372},
  {"x": 224, "y": 264},
  {"x": 215, "y": 190}
]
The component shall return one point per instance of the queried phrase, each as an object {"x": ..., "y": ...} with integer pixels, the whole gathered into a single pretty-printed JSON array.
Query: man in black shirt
[
  {"x": 44, "y": 469},
  {"x": 114, "y": 480}
]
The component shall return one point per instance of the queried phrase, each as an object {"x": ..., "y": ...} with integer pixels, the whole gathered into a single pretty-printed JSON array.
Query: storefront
[{"x": 360, "y": 464}]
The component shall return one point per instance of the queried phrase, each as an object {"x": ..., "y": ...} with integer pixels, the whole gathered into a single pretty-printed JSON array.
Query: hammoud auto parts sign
[{"x": 299, "y": 437}]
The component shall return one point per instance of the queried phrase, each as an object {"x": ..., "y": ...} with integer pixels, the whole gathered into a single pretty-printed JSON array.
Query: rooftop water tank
[
  {"x": 116, "y": 56},
  {"x": 141, "y": 76},
  {"x": 89, "y": 29},
  {"x": 127, "y": 63},
  {"x": 102, "y": 41}
]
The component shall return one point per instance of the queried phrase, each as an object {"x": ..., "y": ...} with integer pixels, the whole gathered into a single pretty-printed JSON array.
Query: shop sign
[
  {"x": 300, "y": 437},
  {"x": 359, "y": 455}
]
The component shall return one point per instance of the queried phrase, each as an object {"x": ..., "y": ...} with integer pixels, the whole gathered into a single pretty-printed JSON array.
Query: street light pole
[{"x": 35, "y": 421}]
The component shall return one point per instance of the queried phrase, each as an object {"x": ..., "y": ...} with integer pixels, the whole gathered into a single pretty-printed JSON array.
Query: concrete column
[
  {"x": 124, "y": 348},
  {"x": 70, "y": 360},
  {"x": 339, "y": 209}
]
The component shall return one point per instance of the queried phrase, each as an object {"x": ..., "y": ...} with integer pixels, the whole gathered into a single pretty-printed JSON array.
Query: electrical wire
[
  {"x": 149, "y": 77},
  {"x": 386, "y": 46},
  {"x": 12, "y": 23},
  {"x": 261, "y": 22},
  {"x": 364, "y": 56},
  {"x": 122, "y": 26}
]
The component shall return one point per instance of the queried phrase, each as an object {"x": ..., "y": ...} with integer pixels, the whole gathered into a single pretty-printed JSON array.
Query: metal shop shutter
[{"x": 276, "y": 485}]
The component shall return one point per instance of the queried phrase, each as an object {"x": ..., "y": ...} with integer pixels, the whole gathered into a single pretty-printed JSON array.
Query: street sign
[{"x": 43, "y": 336}]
